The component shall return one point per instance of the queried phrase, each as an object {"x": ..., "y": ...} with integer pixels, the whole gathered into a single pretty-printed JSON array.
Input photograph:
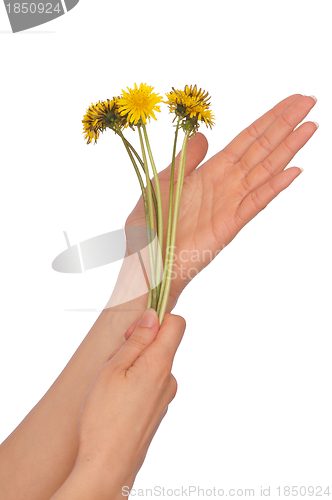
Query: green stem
[
  {"x": 159, "y": 214},
  {"x": 145, "y": 201},
  {"x": 142, "y": 165},
  {"x": 177, "y": 201},
  {"x": 170, "y": 208},
  {"x": 151, "y": 225}
]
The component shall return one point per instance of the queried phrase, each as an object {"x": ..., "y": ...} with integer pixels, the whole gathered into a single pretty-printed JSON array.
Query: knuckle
[
  {"x": 288, "y": 147},
  {"x": 138, "y": 341},
  {"x": 184, "y": 323},
  {"x": 264, "y": 143},
  {"x": 285, "y": 119},
  {"x": 240, "y": 218},
  {"x": 273, "y": 189},
  {"x": 244, "y": 165},
  {"x": 230, "y": 157},
  {"x": 174, "y": 321},
  {"x": 267, "y": 165},
  {"x": 246, "y": 185},
  {"x": 252, "y": 131},
  {"x": 256, "y": 201},
  {"x": 181, "y": 321},
  {"x": 173, "y": 386}
]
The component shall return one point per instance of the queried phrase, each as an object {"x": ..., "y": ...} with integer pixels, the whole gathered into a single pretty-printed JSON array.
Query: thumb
[
  {"x": 196, "y": 152},
  {"x": 143, "y": 335}
]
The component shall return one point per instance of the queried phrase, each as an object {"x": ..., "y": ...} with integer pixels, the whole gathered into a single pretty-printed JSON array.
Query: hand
[
  {"x": 225, "y": 193},
  {"x": 128, "y": 399}
]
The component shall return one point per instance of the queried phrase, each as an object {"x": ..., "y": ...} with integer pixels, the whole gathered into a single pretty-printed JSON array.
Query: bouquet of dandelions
[{"x": 133, "y": 109}]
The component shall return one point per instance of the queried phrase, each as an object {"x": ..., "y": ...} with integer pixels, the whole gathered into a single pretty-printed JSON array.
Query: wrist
[
  {"x": 92, "y": 480},
  {"x": 127, "y": 302},
  {"x": 131, "y": 286},
  {"x": 130, "y": 294}
]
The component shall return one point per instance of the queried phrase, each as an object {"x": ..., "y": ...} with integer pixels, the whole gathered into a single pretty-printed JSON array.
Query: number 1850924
[{"x": 33, "y": 8}]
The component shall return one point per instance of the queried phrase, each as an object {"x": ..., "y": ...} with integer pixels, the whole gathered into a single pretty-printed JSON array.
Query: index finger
[
  {"x": 168, "y": 339},
  {"x": 238, "y": 146}
]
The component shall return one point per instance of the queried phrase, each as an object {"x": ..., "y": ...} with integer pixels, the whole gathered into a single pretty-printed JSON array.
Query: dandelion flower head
[
  {"x": 99, "y": 116},
  {"x": 139, "y": 103},
  {"x": 191, "y": 104}
]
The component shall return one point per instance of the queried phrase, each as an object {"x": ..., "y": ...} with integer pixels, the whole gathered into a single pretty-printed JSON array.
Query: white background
[{"x": 254, "y": 369}]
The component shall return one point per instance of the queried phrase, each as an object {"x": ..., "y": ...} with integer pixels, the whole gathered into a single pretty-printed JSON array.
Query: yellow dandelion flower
[
  {"x": 192, "y": 105},
  {"x": 139, "y": 103},
  {"x": 99, "y": 116},
  {"x": 188, "y": 97}
]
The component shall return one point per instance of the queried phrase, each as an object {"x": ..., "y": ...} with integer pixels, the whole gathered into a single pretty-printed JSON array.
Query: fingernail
[
  {"x": 149, "y": 318},
  {"x": 317, "y": 124},
  {"x": 300, "y": 169},
  {"x": 314, "y": 98}
]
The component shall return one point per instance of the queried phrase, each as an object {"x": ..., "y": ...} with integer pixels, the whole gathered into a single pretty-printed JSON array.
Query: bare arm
[
  {"x": 219, "y": 198},
  {"x": 39, "y": 455}
]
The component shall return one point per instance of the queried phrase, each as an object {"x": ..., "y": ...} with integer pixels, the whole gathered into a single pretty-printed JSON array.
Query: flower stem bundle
[{"x": 133, "y": 109}]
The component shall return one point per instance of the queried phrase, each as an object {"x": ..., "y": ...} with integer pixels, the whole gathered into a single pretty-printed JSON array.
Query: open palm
[{"x": 221, "y": 196}]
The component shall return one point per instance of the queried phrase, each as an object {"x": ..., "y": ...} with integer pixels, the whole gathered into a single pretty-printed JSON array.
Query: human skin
[
  {"x": 218, "y": 199},
  {"x": 123, "y": 409},
  {"x": 222, "y": 195}
]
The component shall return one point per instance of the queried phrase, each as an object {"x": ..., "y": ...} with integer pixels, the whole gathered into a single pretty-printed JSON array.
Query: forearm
[{"x": 40, "y": 454}]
